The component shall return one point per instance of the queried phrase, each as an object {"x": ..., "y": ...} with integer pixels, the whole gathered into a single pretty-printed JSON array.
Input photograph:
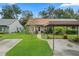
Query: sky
[{"x": 37, "y": 7}]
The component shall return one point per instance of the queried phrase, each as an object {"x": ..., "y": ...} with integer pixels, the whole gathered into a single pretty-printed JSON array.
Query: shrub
[
  {"x": 50, "y": 30},
  {"x": 59, "y": 30},
  {"x": 71, "y": 31},
  {"x": 26, "y": 30},
  {"x": 65, "y": 36}
]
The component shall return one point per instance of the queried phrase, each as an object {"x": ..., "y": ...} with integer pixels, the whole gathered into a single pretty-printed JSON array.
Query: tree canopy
[
  {"x": 26, "y": 15},
  {"x": 10, "y": 11},
  {"x": 52, "y": 12}
]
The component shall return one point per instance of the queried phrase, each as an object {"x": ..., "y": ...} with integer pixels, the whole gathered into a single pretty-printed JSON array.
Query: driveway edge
[{"x": 19, "y": 40}]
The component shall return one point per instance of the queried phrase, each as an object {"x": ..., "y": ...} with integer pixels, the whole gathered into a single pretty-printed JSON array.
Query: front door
[{"x": 38, "y": 28}]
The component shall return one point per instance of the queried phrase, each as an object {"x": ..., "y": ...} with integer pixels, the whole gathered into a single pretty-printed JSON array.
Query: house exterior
[
  {"x": 10, "y": 26},
  {"x": 41, "y": 25}
]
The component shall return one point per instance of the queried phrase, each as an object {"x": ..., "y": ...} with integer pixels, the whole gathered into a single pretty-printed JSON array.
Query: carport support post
[
  {"x": 47, "y": 32},
  {"x": 53, "y": 40},
  {"x": 66, "y": 31},
  {"x": 77, "y": 32}
]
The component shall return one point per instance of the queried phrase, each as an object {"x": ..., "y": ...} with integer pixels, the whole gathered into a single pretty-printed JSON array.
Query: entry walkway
[
  {"x": 7, "y": 44},
  {"x": 63, "y": 47}
]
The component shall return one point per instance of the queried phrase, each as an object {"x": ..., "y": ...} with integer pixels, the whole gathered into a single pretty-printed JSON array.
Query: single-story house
[
  {"x": 41, "y": 25},
  {"x": 10, "y": 26}
]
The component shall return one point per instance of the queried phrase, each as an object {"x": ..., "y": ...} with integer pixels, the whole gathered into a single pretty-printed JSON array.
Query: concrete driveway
[
  {"x": 63, "y": 47},
  {"x": 7, "y": 44}
]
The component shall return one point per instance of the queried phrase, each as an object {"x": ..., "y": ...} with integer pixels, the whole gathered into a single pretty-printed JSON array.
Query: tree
[
  {"x": 69, "y": 13},
  {"x": 50, "y": 11},
  {"x": 26, "y": 15},
  {"x": 47, "y": 13},
  {"x": 59, "y": 13},
  {"x": 10, "y": 11},
  {"x": 43, "y": 14},
  {"x": 76, "y": 16},
  {"x": 16, "y": 10}
]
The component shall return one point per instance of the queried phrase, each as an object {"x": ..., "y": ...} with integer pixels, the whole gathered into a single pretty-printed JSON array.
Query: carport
[{"x": 63, "y": 23}]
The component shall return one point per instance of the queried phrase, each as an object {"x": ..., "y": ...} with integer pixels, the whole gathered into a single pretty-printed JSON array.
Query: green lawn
[
  {"x": 50, "y": 36},
  {"x": 29, "y": 46}
]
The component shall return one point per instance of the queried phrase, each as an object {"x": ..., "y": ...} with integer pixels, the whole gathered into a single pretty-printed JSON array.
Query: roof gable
[{"x": 7, "y": 22}]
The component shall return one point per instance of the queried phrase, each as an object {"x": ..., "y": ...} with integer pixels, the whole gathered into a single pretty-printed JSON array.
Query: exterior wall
[
  {"x": 31, "y": 29},
  {"x": 15, "y": 27},
  {"x": 34, "y": 29}
]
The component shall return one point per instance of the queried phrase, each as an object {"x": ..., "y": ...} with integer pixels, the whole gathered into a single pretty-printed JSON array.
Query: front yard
[{"x": 29, "y": 46}]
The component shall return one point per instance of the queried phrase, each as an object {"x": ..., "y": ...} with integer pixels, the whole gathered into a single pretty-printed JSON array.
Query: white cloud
[{"x": 69, "y": 4}]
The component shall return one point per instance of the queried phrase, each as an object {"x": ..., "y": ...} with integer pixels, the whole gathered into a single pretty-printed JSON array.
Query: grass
[
  {"x": 29, "y": 46},
  {"x": 50, "y": 36}
]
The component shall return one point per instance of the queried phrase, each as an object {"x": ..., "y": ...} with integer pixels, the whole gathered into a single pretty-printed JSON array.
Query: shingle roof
[
  {"x": 38, "y": 22},
  {"x": 50, "y": 21},
  {"x": 6, "y": 22}
]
